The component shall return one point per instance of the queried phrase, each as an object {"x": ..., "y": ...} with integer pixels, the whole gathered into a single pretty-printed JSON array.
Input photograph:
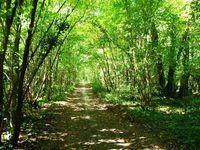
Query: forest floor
[{"x": 83, "y": 121}]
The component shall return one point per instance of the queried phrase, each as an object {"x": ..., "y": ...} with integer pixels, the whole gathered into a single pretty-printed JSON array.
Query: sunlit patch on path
[{"x": 82, "y": 121}]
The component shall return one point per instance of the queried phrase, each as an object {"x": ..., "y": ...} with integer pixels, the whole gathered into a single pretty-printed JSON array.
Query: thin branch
[
  {"x": 49, "y": 27},
  {"x": 38, "y": 18},
  {"x": 48, "y": 51}
]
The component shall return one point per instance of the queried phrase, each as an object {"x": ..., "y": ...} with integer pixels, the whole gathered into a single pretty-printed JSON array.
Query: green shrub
[{"x": 97, "y": 86}]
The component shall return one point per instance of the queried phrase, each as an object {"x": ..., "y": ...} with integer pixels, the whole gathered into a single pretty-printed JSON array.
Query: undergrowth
[{"x": 176, "y": 125}]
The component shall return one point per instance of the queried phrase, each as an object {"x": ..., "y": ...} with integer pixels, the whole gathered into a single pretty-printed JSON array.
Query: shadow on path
[{"x": 82, "y": 121}]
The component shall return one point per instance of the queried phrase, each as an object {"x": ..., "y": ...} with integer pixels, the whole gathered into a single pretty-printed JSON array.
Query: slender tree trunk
[
  {"x": 15, "y": 66},
  {"x": 1, "y": 90},
  {"x": 49, "y": 86},
  {"x": 131, "y": 45},
  {"x": 159, "y": 63},
  {"x": 108, "y": 72},
  {"x": 183, "y": 91},
  {"x": 5, "y": 40},
  {"x": 161, "y": 75},
  {"x": 170, "y": 88},
  {"x": 22, "y": 75},
  {"x": 184, "y": 88}
]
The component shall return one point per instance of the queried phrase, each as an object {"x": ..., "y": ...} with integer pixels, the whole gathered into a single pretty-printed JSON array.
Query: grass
[
  {"x": 168, "y": 118},
  {"x": 181, "y": 131}
]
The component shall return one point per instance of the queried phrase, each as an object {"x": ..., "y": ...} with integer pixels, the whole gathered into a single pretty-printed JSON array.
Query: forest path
[{"x": 82, "y": 121}]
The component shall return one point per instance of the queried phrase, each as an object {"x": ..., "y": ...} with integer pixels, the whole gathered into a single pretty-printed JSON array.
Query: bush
[{"x": 97, "y": 87}]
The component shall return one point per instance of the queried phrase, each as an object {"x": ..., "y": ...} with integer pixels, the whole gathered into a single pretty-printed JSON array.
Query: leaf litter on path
[{"x": 83, "y": 121}]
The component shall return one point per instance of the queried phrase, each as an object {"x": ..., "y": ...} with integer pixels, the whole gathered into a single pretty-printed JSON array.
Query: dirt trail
[{"x": 82, "y": 121}]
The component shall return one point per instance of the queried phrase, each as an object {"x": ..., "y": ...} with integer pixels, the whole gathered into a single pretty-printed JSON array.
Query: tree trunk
[
  {"x": 161, "y": 75},
  {"x": 183, "y": 91},
  {"x": 1, "y": 90},
  {"x": 170, "y": 88},
  {"x": 22, "y": 75},
  {"x": 49, "y": 82},
  {"x": 131, "y": 44},
  {"x": 5, "y": 40},
  {"x": 15, "y": 77},
  {"x": 159, "y": 63}
]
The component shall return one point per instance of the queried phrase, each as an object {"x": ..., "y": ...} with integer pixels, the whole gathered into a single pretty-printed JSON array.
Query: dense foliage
[{"x": 141, "y": 51}]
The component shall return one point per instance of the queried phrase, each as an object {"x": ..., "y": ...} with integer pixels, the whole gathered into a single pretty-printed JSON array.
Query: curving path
[{"x": 82, "y": 122}]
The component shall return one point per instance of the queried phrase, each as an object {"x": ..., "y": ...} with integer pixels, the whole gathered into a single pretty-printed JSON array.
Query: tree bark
[
  {"x": 170, "y": 88},
  {"x": 22, "y": 75},
  {"x": 5, "y": 41},
  {"x": 15, "y": 77},
  {"x": 183, "y": 91},
  {"x": 159, "y": 63}
]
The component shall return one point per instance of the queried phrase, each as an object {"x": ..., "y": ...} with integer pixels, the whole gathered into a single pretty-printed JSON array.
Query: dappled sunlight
[
  {"x": 82, "y": 121},
  {"x": 119, "y": 142},
  {"x": 71, "y": 98},
  {"x": 91, "y": 101},
  {"x": 81, "y": 117},
  {"x": 169, "y": 110},
  {"x": 62, "y": 103},
  {"x": 90, "y": 143},
  {"x": 56, "y": 136},
  {"x": 164, "y": 109},
  {"x": 111, "y": 130},
  {"x": 83, "y": 88},
  {"x": 142, "y": 137}
]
